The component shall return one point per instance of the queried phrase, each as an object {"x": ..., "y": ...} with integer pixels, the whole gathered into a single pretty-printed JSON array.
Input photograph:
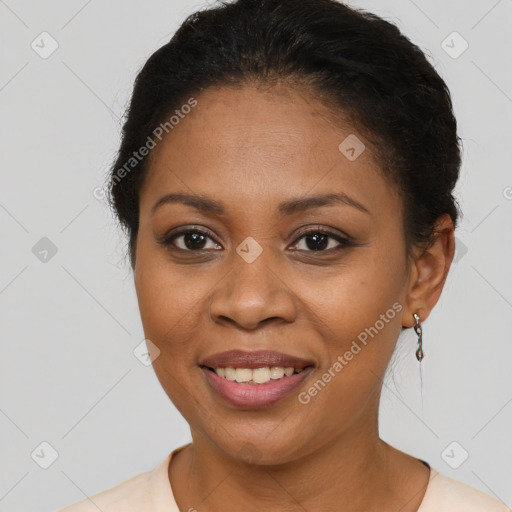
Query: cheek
[
  {"x": 359, "y": 323},
  {"x": 162, "y": 298},
  {"x": 173, "y": 308},
  {"x": 168, "y": 304},
  {"x": 354, "y": 296},
  {"x": 162, "y": 293},
  {"x": 168, "y": 308},
  {"x": 358, "y": 313}
]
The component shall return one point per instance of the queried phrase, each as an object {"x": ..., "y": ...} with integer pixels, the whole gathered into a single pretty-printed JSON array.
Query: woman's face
[{"x": 262, "y": 268}]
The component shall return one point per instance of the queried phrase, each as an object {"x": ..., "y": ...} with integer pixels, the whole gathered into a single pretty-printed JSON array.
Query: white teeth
[
  {"x": 261, "y": 375},
  {"x": 257, "y": 375},
  {"x": 276, "y": 372},
  {"x": 229, "y": 373},
  {"x": 243, "y": 374}
]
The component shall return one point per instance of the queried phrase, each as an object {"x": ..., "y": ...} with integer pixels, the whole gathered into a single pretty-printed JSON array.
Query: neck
[{"x": 355, "y": 469}]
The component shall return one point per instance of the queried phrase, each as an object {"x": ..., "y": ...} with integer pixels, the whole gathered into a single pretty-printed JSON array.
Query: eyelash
[{"x": 168, "y": 241}]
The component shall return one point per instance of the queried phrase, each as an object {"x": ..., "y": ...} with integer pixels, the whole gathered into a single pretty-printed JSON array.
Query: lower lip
[{"x": 255, "y": 395}]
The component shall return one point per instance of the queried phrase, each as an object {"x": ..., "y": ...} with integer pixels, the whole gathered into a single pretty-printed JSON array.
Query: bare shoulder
[
  {"x": 444, "y": 494},
  {"x": 133, "y": 494},
  {"x": 150, "y": 490}
]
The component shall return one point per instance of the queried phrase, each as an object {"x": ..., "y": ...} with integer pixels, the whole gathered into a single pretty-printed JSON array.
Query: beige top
[{"x": 151, "y": 492}]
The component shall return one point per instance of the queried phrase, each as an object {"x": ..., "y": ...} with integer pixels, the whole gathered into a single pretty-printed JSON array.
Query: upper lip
[{"x": 254, "y": 359}]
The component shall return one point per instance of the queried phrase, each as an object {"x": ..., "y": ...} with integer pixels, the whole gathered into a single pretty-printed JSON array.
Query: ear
[{"x": 428, "y": 273}]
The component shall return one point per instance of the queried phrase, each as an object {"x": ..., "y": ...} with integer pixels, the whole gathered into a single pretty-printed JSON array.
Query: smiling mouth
[{"x": 256, "y": 376}]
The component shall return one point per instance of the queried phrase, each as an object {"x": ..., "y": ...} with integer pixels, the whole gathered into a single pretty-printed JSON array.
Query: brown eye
[
  {"x": 321, "y": 241},
  {"x": 191, "y": 240}
]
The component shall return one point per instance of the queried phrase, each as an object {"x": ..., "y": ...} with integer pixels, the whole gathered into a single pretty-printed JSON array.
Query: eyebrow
[{"x": 207, "y": 205}]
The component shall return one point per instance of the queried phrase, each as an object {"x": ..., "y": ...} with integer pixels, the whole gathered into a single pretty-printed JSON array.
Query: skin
[{"x": 252, "y": 148}]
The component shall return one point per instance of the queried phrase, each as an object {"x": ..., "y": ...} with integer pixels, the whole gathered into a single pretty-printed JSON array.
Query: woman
[{"x": 286, "y": 181}]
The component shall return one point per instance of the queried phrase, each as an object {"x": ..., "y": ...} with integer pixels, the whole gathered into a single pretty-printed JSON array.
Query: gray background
[{"x": 70, "y": 322}]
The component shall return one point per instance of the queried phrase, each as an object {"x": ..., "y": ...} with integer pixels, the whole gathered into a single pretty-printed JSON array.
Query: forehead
[{"x": 247, "y": 142}]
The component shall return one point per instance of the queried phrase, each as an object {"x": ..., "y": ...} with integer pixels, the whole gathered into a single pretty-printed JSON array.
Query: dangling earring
[{"x": 417, "y": 329}]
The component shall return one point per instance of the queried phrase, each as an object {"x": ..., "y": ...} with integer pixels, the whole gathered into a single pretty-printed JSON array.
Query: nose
[{"x": 252, "y": 294}]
